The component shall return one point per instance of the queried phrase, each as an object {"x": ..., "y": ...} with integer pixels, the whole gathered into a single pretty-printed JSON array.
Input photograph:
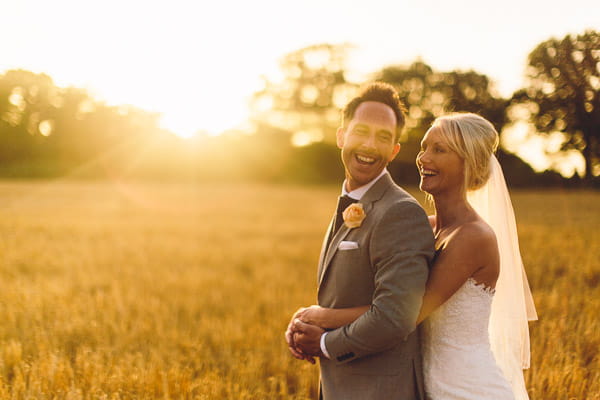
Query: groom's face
[{"x": 368, "y": 143}]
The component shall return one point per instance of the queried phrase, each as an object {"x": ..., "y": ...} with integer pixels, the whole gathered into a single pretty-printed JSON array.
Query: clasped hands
[{"x": 303, "y": 336}]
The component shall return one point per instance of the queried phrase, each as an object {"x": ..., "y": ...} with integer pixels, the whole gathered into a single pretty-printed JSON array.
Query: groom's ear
[
  {"x": 395, "y": 151},
  {"x": 339, "y": 137}
]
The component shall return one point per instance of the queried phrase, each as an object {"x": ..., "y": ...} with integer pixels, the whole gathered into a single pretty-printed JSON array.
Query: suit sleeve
[{"x": 401, "y": 248}]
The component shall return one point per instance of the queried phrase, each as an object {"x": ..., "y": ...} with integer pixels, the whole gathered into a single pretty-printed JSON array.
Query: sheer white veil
[{"x": 513, "y": 305}]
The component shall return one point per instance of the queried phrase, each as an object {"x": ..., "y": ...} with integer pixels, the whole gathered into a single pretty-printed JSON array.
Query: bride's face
[{"x": 440, "y": 168}]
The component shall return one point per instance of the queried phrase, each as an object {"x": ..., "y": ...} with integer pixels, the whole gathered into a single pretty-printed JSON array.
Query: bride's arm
[
  {"x": 455, "y": 264},
  {"x": 331, "y": 318},
  {"x": 470, "y": 252}
]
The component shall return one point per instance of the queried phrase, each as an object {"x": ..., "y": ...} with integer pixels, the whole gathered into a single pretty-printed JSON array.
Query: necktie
[{"x": 343, "y": 203}]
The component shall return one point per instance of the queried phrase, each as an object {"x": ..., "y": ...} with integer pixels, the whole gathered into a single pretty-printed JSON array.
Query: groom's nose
[{"x": 369, "y": 141}]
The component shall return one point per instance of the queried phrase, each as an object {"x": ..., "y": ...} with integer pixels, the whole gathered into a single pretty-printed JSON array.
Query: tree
[
  {"x": 25, "y": 100},
  {"x": 428, "y": 94},
  {"x": 563, "y": 94},
  {"x": 49, "y": 130},
  {"x": 308, "y": 99}
]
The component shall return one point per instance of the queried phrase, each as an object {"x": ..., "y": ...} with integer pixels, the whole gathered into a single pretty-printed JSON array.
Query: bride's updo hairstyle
[{"x": 474, "y": 139}]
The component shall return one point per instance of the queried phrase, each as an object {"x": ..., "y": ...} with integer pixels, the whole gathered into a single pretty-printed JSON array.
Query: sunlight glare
[
  {"x": 542, "y": 151},
  {"x": 569, "y": 163},
  {"x": 520, "y": 138},
  {"x": 306, "y": 137},
  {"x": 214, "y": 121},
  {"x": 46, "y": 127}
]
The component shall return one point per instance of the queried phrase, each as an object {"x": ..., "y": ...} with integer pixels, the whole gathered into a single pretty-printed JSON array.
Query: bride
[{"x": 477, "y": 301}]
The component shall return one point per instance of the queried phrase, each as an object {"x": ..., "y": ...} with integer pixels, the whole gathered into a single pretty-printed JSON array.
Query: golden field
[{"x": 113, "y": 290}]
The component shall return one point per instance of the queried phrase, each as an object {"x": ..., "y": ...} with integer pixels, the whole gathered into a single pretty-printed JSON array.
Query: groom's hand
[
  {"x": 307, "y": 338},
  {"x": 289, "y": 338}
]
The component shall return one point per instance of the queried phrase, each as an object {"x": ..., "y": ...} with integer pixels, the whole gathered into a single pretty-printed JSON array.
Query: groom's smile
[
  {"x": 368, "y": 143},
  {"x": 368, "y": 160}
]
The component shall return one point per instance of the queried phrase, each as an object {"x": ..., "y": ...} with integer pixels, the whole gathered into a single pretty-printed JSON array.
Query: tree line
[{"x": 48, "y": 131}]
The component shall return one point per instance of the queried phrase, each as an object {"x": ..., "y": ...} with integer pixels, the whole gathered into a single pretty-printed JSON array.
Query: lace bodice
[
  {"x": 464, "y": 317},
  {"x": 457, "y": 359}
]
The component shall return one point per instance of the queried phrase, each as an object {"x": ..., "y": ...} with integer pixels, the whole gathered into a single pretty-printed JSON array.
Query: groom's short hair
[{"x": 380, "y": 92}]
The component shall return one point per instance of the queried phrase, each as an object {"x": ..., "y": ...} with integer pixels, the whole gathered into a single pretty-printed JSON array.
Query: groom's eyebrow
[
  {"x": 366, "y": 126},
  {"x": 385, "y": 132}
]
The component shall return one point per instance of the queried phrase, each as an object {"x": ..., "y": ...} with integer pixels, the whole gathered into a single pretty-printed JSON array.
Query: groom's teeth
[{"x": 365, "y": 159}]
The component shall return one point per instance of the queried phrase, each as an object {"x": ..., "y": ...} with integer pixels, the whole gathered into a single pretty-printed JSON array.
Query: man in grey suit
[{"x": 382, "y": 262}]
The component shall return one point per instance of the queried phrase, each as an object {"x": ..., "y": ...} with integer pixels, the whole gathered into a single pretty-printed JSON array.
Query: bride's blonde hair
[{"x": 474, "y": 139}]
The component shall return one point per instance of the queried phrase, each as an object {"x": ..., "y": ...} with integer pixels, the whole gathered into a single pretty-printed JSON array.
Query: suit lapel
[
  {"x": 324, "y": 249},
  {"x": 335, "y": 242},
  {"x": 373, "y": 194}
]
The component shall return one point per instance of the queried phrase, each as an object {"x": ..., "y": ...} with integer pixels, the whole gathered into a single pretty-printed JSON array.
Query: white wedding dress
[
  {"x": 458, "y": 362},
  {"x": 473, "y": 349}
]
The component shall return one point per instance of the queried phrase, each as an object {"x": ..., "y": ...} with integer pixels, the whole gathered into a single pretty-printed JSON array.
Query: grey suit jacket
[{"x": 378, "y": 355}]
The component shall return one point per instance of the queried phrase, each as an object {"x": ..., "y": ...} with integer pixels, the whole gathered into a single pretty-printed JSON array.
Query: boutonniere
[{"x": 354, "y": 215}]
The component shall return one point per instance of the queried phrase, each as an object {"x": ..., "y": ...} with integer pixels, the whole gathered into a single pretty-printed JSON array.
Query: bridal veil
[{"x": 513, "y": 305}]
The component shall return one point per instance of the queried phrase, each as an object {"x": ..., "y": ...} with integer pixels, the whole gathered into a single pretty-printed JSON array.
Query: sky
[{"x": 198, "y": 62}]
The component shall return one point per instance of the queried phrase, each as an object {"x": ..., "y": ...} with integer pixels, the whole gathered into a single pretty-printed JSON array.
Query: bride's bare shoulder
[
  {"x": 475, "y": 235},
  {"x": 479, "y": 228}
]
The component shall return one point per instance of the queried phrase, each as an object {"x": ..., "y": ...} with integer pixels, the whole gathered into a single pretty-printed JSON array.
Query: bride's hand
[{"x": 330, "y": 318}]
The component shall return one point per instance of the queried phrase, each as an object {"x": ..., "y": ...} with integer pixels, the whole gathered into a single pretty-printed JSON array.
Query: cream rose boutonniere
[{"x": 354, "y": 215}]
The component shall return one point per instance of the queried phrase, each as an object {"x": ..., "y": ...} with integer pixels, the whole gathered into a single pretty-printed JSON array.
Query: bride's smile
[{"x": 439, "y": 166}]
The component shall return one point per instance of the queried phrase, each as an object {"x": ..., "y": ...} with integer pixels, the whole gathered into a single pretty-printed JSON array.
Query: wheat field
[{"x": 115, "y": 290}]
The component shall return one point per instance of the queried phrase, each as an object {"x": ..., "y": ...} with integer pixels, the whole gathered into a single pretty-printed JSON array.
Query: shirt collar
[{"x": 357, "y": 194}]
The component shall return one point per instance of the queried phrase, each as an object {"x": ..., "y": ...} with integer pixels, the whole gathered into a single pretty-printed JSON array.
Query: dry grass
[{"x": 123, "y": 291}]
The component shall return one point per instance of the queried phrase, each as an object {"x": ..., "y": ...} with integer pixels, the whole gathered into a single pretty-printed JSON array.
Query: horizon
[{"x": 198, "y": 65}]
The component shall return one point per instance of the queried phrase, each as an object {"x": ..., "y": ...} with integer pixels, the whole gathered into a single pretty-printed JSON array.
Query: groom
[{"x": 382, "y": 262}]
